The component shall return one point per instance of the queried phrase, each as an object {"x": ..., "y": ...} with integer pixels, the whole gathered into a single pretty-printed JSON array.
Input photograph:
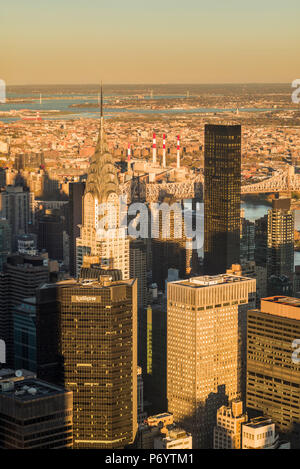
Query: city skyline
[{"x": 150, "y": 228}]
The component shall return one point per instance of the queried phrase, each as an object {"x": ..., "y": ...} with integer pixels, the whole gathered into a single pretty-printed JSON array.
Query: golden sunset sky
[{"x": 166, "y": 41}]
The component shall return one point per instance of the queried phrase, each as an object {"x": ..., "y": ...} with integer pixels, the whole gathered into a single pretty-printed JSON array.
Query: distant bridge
[
  {"x": 139, "y": 189},
  {"x": 284, "y": 180}
]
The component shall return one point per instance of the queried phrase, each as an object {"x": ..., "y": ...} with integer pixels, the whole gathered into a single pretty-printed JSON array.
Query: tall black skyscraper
[
  {"x": 222, "y": 197},
  {"x": 76, "y": 192}
]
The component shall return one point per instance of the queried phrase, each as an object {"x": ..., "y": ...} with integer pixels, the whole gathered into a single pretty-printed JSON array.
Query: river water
[
  {"x": 253, "y": 211},
  {"x": 63, "y": 103}
]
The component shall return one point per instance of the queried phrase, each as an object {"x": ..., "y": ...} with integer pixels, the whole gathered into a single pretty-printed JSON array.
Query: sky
[{"x": 149, "y": 41}]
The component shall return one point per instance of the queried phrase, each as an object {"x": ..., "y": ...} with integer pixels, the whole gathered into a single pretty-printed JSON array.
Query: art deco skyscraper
[
  {"x": 108, "y": 241},
  {"x": 206, "y": 328},
  {"x": 222, "y": 197}
]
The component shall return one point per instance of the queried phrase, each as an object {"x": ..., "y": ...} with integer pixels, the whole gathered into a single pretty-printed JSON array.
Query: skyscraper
[
  {"x": 280, "y": 254},
  {"x": 16, "y": 205},
  {"x": 102, "y": 233},
  {"x": 35, "y": 415},
  {"x": 222, "y": 197},
  {"x": 170, "y": 246},
  {"x": 24, "y": 318},
  {"x": 5, "y": 241},
  {"x": 273, "y": 377},
  {"x": 98, "y": 347},
  {"x": 205, "y": 332},
  {"x": 20, "y": 278},
  {"x": 50, "y": 234},
  {"x": 76, "y": 193}
]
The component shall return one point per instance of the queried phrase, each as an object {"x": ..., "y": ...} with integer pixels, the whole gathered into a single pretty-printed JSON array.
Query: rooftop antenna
[
  {"x": 101, "y": 143},
  {"x": 101, "y": 103},
  {"x": 128, "y": 157}
]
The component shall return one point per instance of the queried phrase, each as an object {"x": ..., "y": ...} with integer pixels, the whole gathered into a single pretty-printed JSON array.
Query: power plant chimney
[
  {"x": 178, "y": 151},
  {"x": 128, "y": 157},
  {"x": 164, "y": 151},
  {"x": 154, "y": 149}
]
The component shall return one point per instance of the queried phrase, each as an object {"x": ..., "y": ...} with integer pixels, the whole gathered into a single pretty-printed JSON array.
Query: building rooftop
[
  {"x": 29, "y": 389},
  {"x": 210, "y": 280},
  {"x": 258, "y": 422},
  {"x": 284, "y": 306},
  {"x": 8, "y": 373}
]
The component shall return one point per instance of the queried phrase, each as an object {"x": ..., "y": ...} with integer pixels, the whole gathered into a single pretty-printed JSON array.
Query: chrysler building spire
[{"x": 102, "y": 177}]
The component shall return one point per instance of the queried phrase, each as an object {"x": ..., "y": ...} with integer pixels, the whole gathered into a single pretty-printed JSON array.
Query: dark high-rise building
[
  {"x": 5, "y": 241},
  {"x": 47, "y": 334},
  {"x": 280, "y": 256},
  {"x": 261, "y": 241},
  {"x": 222, "y": 197},
  {"x": 50, "y": 234},
  {"x": 155, "y": 380},
  {"x": 21, "y": 276},
  {"x": 97, "y": 346},
  {"x": 273, "y": 373},
  {"x": 35, "y": 415},
  {"x": 24, "y": 317},
  {"x": 138, "y": 270},
  {"x": 76, "y": 193},
  {"x": 16, "y": 205},
  {"x": 247, "y": 243}
]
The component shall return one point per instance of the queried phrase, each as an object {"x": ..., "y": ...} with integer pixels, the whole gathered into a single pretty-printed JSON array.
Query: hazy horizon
[{"x": 78, "y": 42}]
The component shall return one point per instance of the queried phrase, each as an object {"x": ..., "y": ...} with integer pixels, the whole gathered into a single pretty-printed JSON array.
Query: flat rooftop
[
  {"x": 284, "y": 306},
  {"x": 258, "y": 422},
  {"x": 8, "y": 373},
  {"x": 30, "y": 389},
  {"x": 210, "y": 280}
]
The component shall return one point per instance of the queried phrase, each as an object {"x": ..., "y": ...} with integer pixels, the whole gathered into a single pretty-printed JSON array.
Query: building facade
[
  {"x": 273, "y": 376},
  {"x": 35, "y": 415},
  {"x": 76, "y": 193},
  {"x": 17, "y": 206},
  {"x": 222, "y": 197},
  {"x": 281, "y": 222},
  {"x": 98, "y": 350},
  {"x": 206, "y": 328},
  {"x": 102, "y": 232},
  {"x": 228, "y": 431}
]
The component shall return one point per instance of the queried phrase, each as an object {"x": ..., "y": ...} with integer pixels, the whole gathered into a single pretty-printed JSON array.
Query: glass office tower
[
  {"x": 222, "y": 197},
  {"x": 98, "y": 347}
]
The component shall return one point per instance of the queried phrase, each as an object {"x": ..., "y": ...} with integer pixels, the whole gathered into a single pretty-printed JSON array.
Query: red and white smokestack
[
  {"x": 178, "y": 151},
  {"x": 154, "y": 149},
  {"x": 128, "y": 157},
  {"x": 164, "y": 151}
]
